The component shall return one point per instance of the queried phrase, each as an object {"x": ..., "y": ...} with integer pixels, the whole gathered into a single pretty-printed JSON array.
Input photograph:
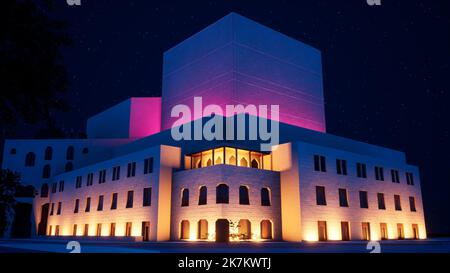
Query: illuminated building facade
[{"x": 130, "y": 178}]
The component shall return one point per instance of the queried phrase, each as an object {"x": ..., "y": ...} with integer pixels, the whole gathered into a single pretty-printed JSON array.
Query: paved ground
[{"x": 441, "y": 245}]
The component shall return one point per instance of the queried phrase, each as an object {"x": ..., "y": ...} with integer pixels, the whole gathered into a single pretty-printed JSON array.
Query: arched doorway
[
  {"x": 202, "y": 229},
  {"x": 245, "y": 229},
  {"x": 222, "y": 230},
  {"x": 266, "y": 229},
  {"x": 42, "y": 227},
  {"x": 184, "y": 229}
]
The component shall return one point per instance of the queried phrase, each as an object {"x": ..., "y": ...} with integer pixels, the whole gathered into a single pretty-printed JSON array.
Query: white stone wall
[
  {"x": 333, "y": 214},
  {"x": 233, "y": 176},
  {"x": 121, "y": 215}
]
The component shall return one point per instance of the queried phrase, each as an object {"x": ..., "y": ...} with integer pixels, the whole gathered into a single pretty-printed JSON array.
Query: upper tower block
[{"x": 238, "y": 61}]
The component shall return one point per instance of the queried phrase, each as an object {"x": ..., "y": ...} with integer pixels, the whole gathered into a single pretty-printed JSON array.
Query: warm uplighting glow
[{"x": 231, "y": 156}]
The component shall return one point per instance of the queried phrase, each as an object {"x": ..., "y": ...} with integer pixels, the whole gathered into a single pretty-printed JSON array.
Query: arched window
[
  {"x": 209, "y": 162},
  {"x": 203, "y": 196},
  {"x": 218, "y": 160},
  {"x": 255, "y": 164},
  {"x": 243, "y": 162},
  {"x": 13, "y": 151},
  {"x": 222, "y": 194},
  {"x": 30, "y": 159},
  {"x": 184, "y": 229},
  {"x": 70, "y": 153},
  {"x": 232, "y": 160},
  {"x": 48, "y": 153},
  {"x": 68, "y": 167},
  {"x": 44, "y": 190},
  {"x": 243, "y": 196},
  {"x": 266, "y": 229},
  {"x": 265, "y": 197},
  {"x": 202, "y": 229},
  {"x": 46, "y": 172},
  {"x": 185, "y": 197}
]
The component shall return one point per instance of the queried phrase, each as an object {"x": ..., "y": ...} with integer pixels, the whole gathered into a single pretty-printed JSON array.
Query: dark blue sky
[{"x": 386, "y": 69}]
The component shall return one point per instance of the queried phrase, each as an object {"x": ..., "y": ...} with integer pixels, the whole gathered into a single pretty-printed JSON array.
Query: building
[{"x": 131, "y": 178}]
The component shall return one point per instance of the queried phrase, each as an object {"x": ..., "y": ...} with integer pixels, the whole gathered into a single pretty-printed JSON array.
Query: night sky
[{"x": 386, "y": 68}]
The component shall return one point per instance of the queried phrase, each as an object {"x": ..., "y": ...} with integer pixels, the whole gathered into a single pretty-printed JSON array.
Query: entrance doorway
[
  {"x": 184, "y": 230},
  {"x": 366, "y": 231},
  {"x": 266, "y": 229},
  {"x": 322, "y": 228},
  {"x": 384, "y": 231},
  {"x": 145, "y": 231},
  {"x": 42, "y": 227},
  {"x": 415, "y": 229},
  {"x": 400, "y": 232},
  {"x": 222, "y": 230},
  {"x": 345, "y": 230},
  {"x": 245, "y": 229}
]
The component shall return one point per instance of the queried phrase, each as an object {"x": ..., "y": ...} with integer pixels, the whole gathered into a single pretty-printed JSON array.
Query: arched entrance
[
  {"x": 202, "y": 229},
  {"x": 245, "y": 229},
  {"x": 222, "y": 230},
  {"x": 184, "y": 229},
  {"x": 42, "y": 227},
  {"x": 266, "y": 229}
]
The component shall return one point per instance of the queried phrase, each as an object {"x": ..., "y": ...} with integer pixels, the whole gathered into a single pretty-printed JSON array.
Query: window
[
  {"x": 44, "y": 190},
  {"x": 68, "y": 167},
  {"x": 77, "y": 206},
  {"x": 86, "y": 230},
  {"x": 148, "y": 165},
  {"x": 128, "y": 229},
  {"x": 147, "y": 198},
  {"x": 101, "y": 176},
  {"x": 320, "y": 196},
  {"x": 48, "y": 153},
  {"x": 265, "y": 197},
  {"x": 61, "y": 186},
  {"x": 341, "y": 166},
  {"x": 99, "y": 229},
  {"x": 54, "y": 186},
  {"x": 366, "y": 231},
  {"x": 46, "y": 172},
  {"x": 394, "y": 176},
  {"x": 379, "y": 175},
  {"x": 30, "y": 159},
  {"x": 58, "y": 212},
  {"x": 52, "y": 209},
  {"x": 243, "y": 196},
  {"x": 131, "y": 169},
  {"x": 129, "y": 199},
  {"x": 13, "y": 151},
  {"x": 320, "y": 163},
  {"x": 363, "y": 201},
  {"x": 412, "y": 204},
  {"x": 88, "y": 205},
  {"x": 114, "y": 201},
  {"x": 185, "y": 197},
  {"x": 100, "y": 203},
  {"x": 343, "y": 198},
  {"x": 361, "y": 170},
  {"x": 78, "y": 182},
  {"x": 90, "y": 179},
  {"x": 397, "y": 201},
  {"x": 381, "y": 203},
  {"x": 70, "y": 153},
  {"x": 112, "y": 229},
  {"x": 203, "y": 196},
  {"x": 85, "y": 150},
  {"x": 116, "y": 173},
  {"x": 222, "y": 194},
  {"x": 409, "y": 178}
]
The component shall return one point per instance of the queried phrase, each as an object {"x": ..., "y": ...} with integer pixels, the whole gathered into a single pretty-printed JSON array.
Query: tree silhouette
[
  {"x": 33, "y": 77},
  {"x": 9, "y": 185}
]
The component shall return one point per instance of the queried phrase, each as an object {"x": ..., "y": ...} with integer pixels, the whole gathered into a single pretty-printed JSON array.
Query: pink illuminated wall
[
  {"x": 238, "y": 61},
  {"x": 145, "y": 117}
]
